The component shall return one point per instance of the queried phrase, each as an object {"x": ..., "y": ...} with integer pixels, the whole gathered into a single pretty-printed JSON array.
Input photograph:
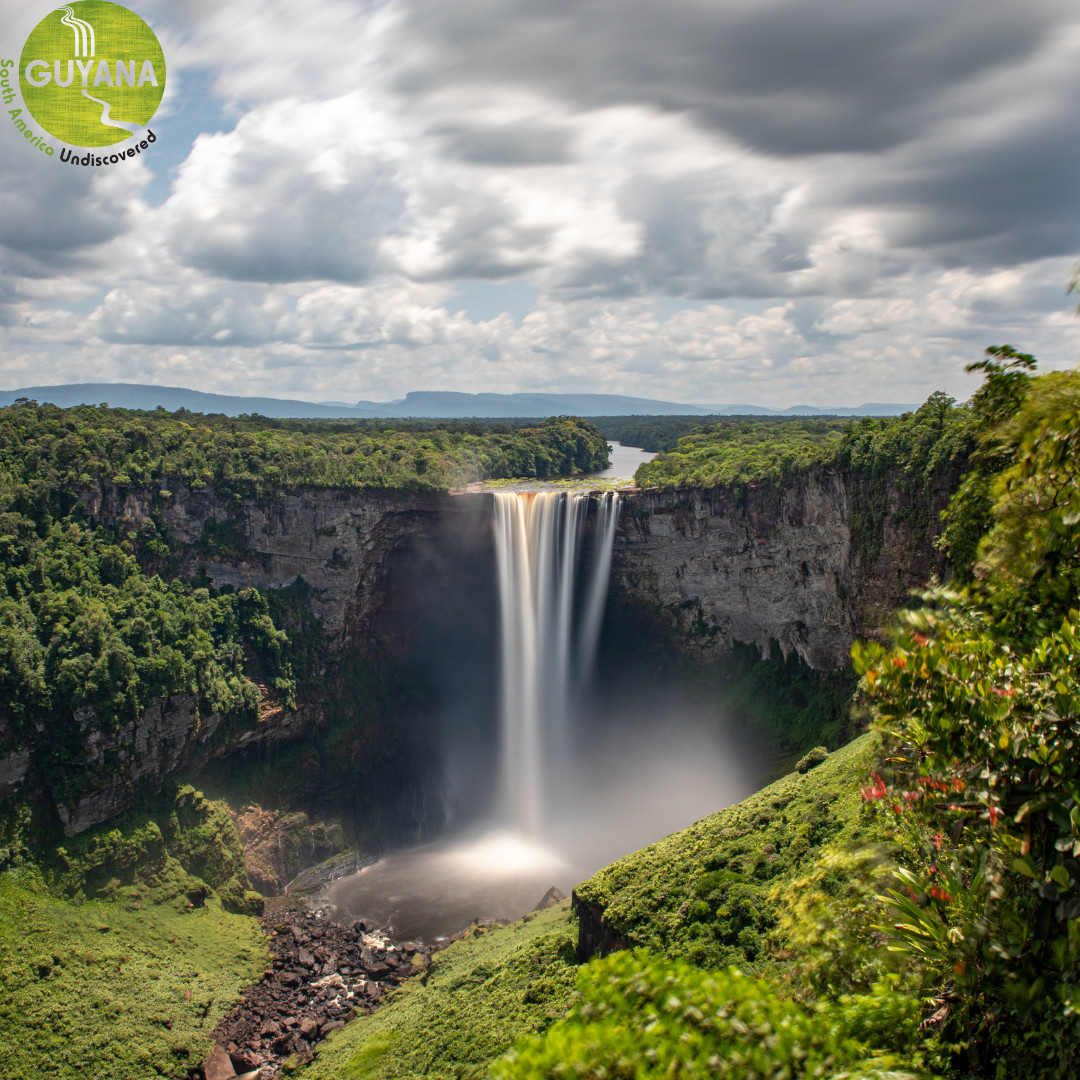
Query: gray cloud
[
  {"x": 785, "y": 76},
  {"x": 52, "y": 215},
  {"x": 505, "y": 144},
  {"x": 278, "y": 200},
  {"x": 940, "y": 86},
  {"x": 843, "y": 193}
]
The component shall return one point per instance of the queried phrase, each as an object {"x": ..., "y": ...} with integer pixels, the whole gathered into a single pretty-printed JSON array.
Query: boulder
[
  {"x": 218, "y": 1066},
  {"x": 553, "y": 896}
]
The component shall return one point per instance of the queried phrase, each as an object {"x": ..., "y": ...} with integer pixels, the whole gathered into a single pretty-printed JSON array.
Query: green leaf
[
  {"x": 1023, "y": 866},
  {"x": 1060, "y": 875}
]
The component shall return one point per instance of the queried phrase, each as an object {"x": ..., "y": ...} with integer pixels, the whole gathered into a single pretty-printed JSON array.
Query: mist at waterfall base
[{"x": 582, "y": 751}]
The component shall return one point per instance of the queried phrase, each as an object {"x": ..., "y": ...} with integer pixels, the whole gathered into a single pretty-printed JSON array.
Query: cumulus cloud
[{"x": 841, "y": 196}]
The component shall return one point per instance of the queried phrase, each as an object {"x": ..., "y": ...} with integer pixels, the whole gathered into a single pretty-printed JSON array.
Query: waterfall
[{"x": 546, "y": 654}]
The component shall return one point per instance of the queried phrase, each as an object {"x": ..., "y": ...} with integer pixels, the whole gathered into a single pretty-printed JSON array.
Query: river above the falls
[{"x": 624, "y": 462}]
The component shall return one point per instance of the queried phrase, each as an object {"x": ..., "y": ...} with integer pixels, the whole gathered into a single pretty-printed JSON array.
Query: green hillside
[{"x": 708, "y": 893}]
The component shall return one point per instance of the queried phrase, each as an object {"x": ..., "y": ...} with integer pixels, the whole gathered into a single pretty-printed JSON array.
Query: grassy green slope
[
  {"x": 703, "y": 893},
  {"x": 99, "y": 991},
  {"x": 478, "y": 997},
  {"x": 117, "y": 956}
]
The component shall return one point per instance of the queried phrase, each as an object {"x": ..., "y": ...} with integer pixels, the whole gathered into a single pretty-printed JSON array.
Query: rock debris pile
[{"x": 323, "y": 975}]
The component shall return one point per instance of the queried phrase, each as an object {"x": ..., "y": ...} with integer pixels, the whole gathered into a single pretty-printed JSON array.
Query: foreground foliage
[
  {"x": 980, "y": 700},
  {"x": 640, "y": 1016}
]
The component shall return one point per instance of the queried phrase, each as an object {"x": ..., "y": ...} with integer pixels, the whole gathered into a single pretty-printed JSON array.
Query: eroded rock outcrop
[
  {"x": 167, "y": 735},
  {"x": 278, "y": 845},
  {"x": 811, "y": 563}
]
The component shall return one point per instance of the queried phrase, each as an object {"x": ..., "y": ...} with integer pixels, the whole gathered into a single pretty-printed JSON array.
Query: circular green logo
[{"x": 92, "y": 73}]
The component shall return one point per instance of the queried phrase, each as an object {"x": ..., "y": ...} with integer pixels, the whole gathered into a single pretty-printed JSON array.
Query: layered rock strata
[
  {"x": 344, "y": 543},
  {"x": 762, "y": 563}
]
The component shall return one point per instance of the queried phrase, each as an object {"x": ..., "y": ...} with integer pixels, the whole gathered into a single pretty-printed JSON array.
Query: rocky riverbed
[{"x": 323, "y": 974}]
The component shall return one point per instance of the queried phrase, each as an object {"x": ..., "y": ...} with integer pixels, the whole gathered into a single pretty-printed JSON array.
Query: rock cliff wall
[
  {"x": 343, "y": 543},
  {"x": 811, "y": 563}
]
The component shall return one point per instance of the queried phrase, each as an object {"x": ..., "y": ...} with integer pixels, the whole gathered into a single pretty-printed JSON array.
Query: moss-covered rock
[{"x": 811, "y": 760}]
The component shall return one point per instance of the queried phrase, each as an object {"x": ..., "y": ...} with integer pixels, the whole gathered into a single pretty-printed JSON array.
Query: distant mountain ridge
[{"x": 419, "y": 404}]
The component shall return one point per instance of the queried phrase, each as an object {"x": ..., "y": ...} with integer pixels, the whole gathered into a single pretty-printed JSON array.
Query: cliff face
[
  {"x": 168, "y": 735},
  {"x": 347, "y": 545},
  {"x": 811, "y": 563}
]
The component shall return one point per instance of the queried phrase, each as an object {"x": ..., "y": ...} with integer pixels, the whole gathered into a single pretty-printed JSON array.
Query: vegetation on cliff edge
[
  {"x": 747, "y": 450},
  {"x": 46, "y": 451}
]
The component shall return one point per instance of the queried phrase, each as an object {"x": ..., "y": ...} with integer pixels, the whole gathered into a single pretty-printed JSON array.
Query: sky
[{"x": 772, "y": 202}]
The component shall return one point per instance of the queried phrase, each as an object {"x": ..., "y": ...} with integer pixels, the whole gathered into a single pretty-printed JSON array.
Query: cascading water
[
  {"x": 579, "y": 779},
  {"x": 538, "y": 540}
]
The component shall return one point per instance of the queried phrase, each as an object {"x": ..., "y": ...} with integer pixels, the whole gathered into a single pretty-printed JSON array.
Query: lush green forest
[
  {"x": 96, "y": 617},
  {"x": 743, "y": 450},
  {"x": 46, "y": 451}
]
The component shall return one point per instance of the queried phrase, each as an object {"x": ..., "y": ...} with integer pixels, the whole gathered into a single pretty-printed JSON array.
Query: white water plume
[
  {"x": 583, "y": 773},
  {"x": 538, "y": 538}
]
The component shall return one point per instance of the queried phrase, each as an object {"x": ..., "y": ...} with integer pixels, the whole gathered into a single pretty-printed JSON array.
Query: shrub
[
  {"x": 814, "y": 758},
  {"x": 641, "y": 1016}
]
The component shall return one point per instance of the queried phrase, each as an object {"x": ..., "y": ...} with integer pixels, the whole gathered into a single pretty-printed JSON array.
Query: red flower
[{"x": 877, "y": 791}]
